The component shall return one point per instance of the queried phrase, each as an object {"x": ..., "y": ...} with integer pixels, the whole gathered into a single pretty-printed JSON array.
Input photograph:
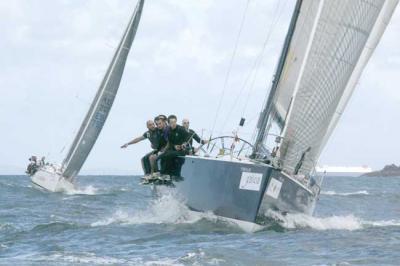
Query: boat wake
[
  {"x": 164, "y": 210},
  {"x": 89, "y": 190},
  {"x": 167, "y": 209},
  {"x": 334, "y": 193},
  {"x": 347, "y": 222}
]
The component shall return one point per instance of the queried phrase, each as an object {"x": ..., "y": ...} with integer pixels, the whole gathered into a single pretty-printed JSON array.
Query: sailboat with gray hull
[
  {"x": 326, "y": 48},
  {"x": 57, "y": 178}
]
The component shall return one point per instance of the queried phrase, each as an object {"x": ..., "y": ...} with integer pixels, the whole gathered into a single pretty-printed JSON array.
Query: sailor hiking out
[
  {"x": 194, "y": 136},
  {"x": 170, "y": 142},
  {"x": 154, "y": 136}
]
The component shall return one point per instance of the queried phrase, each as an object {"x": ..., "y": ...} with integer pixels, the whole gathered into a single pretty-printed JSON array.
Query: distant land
[
  {"x": 387, "y": 171},
  {"x": 343, "y": 170}
]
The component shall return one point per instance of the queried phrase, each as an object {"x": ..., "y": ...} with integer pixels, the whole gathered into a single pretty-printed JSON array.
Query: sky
[{"x": 53, "y": 55}]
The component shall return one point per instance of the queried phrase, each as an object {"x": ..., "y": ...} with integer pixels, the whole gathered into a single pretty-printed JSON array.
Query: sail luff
[
  {"x": 303, "y": 64},
  {"x": 265, "y": 113},
  {"x": 101, "y": 105}
]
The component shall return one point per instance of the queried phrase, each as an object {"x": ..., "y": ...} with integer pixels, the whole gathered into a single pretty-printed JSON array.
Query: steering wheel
[{"x": 226, "y": 146}]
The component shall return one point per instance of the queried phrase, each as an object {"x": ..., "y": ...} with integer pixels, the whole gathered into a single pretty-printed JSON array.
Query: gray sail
[{"x": 101, "y": 105}]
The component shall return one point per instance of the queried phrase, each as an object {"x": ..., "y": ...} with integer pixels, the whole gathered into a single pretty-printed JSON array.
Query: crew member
[
  {"x": 153, "y": 135},
  {"x": 163, "y": 129},
  {"x": 164, "y": 117},
  {"x": 177, "y": 142},
  {"x": 32, "y": 166},
  {"x": 193, "y": 136}
]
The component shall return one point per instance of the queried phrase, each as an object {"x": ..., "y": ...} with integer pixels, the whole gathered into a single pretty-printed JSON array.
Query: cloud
[{"x": 53, "y": 60}]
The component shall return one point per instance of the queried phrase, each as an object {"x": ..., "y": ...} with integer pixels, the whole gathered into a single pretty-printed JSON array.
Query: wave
[
  {"x": 54, "y": 227},
  {"x": 89, "y": 190},
  {"x": 81, "y": 258},
  {"x": 166, "y": 209},
  {"x": 347, "y": 222},
  {"x": 333, "y": 193},
  {"x": 382, "y": 223},
  {"x": 91, "y": 259},
  {"x": 7, "y": 227}
]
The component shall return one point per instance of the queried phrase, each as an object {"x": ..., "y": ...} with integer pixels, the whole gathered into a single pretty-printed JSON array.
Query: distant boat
[
  {"x": 58, "y": 178},
  {"x": 343, "y": 170},
  {"x": 326, "y": 48}
]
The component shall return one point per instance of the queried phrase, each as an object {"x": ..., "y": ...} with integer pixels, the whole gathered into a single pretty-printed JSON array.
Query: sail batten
[{"x": 102, "y": 103}]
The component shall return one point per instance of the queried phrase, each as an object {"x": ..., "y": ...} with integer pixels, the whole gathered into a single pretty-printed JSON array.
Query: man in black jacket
[
  {"x": 154, "y": 136},
  {"x": 163, "y": 130},
  {"x": 178, "y": 139},
  {"x": 193, "y": 136}
]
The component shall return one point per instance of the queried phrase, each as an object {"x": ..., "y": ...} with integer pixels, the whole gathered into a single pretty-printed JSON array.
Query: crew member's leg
[
  {"x": 168, "y": 161},
  {"x": 146, "y": 163},
  {"x": 153, "y": 163},
  {"x": 163, "y": 162}
]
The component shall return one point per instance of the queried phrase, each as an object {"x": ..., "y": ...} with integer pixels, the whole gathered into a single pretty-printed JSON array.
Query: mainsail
[
  {"x": 331, "y": 44},
  {"x": 101, "y": 105}
]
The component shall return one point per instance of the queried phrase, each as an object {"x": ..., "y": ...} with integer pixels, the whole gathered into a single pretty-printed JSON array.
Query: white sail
[
  {"x": 293, "y": 61},
  {"x": 325, "y": 60},
  {"x": 373, "y": 40},
  {"x": 101, "y": 105}
]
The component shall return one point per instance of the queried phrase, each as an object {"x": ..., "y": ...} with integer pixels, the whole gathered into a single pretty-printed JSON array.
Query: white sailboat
[{"x": 58, "y": 178}]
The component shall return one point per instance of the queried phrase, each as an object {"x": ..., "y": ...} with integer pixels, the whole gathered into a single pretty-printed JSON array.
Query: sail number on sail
[{"x": 101, "y": 115}]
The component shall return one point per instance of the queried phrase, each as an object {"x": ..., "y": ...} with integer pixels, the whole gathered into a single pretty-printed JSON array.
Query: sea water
[{"x": 112, "y": 220}]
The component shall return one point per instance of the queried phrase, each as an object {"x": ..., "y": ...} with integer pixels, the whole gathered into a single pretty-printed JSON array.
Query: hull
[
  {"x": 240, "y": 190},
  {"x": 288, "y": 195},
  {"x": 50, "y": 179}
]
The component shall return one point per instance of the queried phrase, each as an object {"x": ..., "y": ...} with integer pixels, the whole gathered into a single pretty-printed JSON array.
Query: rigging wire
[
  {"x": 261, "y": 56},
  {"x": 274, "y": 111},
  {"x": 230, "y": 66},
  {"x": 256, "y": 65}
]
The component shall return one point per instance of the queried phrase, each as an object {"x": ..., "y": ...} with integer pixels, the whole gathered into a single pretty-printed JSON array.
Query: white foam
[
  {"x": 292, "y": 221},
  {"x": 89, "y": 190},
  {"x": 85, "y": 257},
  {"x": 347, "y": 222},
  {"x": 162, "y": 262},
  {"x": 92, "y": 259},
  {"x": 199, "y": 258},
  {"x": 166, "y": 209},
  {"x": 193, "y": 255},
  {"x": 334, "y": 193},
  {"x": 382, "y": 223},
  {"x": 6, "y": 226}
]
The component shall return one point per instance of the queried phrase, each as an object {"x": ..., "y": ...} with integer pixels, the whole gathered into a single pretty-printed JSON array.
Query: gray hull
[{"x": 240, "y": 190}]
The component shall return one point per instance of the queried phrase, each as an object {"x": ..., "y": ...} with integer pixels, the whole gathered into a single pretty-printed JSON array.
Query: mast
[
  {"x": 264, "y": 115},
  {"x": 102, "y": 103}
]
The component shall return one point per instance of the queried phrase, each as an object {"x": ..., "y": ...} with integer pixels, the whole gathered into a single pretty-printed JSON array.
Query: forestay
[{"x": 101, "y": 105}]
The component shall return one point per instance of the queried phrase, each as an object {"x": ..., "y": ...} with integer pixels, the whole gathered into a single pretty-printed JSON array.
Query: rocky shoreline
[{"x": 387, "y": 171}]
